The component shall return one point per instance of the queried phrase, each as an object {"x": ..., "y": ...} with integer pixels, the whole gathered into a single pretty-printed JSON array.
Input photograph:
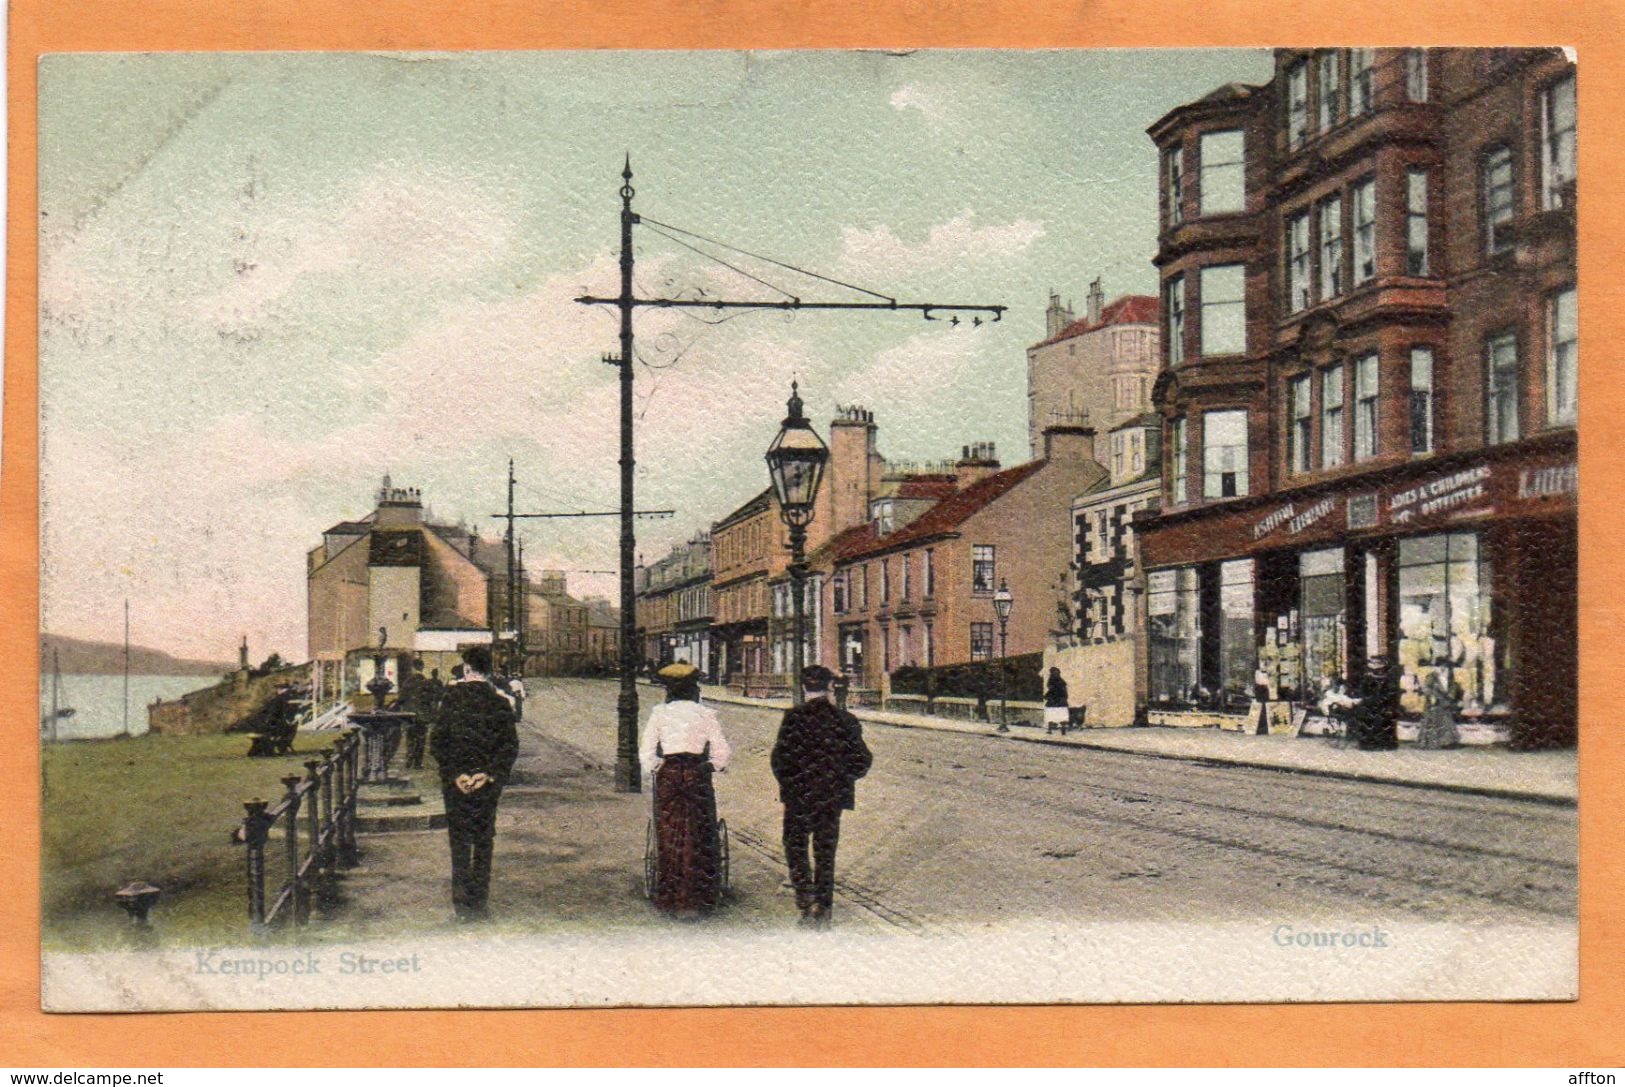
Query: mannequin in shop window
[
  {"x": 1375, "y": 721},
  {"x": 1443, "y": 698}
]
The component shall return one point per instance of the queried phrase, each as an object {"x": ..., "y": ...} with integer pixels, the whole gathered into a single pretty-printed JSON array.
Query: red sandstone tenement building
[{"x": 1369, "y": 398}]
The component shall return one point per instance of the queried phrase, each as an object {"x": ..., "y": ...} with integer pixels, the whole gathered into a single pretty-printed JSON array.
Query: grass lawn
[{"x": 162, "y": 809}]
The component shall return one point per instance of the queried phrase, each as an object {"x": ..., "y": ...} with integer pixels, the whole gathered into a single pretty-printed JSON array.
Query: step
[{"x": 395, "y": 820}]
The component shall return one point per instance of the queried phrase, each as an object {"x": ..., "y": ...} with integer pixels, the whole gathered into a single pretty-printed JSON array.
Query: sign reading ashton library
[{"x": 1491, "y": 484}]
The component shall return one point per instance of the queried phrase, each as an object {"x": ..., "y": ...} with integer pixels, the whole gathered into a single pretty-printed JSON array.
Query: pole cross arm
[
  {"x": 590, "y": 513},
  {"x": 925, "y": 308}
]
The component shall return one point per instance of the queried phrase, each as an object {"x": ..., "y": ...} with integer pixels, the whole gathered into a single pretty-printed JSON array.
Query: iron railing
[{"x": 314, "y": 826}]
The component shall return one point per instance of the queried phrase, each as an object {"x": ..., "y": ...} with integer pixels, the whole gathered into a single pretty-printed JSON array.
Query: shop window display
[
  {"x": 1236, "y": 650},
  {"x": 1447, "y": 631},
  {"x": 1325, "y": 621},
  {"x": 1174, "y": 613}
]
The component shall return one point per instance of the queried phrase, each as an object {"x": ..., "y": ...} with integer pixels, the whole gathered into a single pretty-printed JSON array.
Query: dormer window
[{"x": 884, "y": 517}]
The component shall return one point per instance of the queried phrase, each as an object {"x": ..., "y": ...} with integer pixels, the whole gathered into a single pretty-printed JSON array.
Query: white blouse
[{"x": 683, "y": 728}]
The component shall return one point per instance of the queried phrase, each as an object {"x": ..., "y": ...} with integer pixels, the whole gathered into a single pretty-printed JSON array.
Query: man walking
[
  {"x": 818, "y": 757},
  {"x": 416, "y": 698},
  {"x": 475, "y": 743}
]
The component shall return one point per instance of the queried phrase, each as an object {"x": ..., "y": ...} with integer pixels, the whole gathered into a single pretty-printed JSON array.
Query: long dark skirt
[{"x": 686, "y": 829}]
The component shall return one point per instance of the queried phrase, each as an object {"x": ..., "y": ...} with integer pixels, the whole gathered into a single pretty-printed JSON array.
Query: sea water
[{"x": 98, "y": 702}]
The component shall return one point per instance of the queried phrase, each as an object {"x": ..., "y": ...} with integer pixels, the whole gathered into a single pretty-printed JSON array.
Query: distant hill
[{"x": 107, "y": 658}]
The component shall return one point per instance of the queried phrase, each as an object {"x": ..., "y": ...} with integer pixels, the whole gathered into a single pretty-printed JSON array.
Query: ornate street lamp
[
  {"x": 1002, "y": 603},
  {"x": 795, "y": 461}
]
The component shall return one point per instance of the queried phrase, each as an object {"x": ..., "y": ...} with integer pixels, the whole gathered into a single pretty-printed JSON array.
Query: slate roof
[
  {"x": 1131, "y": 309},
  {"x": 395, "y": 548},
  {"x": 939, "y": 520}
]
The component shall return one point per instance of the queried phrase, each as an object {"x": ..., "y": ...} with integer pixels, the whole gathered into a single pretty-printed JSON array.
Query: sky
[{"x": 266, "y": 280}]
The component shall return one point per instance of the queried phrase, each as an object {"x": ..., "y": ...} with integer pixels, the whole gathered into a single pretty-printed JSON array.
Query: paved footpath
[{"x": 1548, "y": 776}]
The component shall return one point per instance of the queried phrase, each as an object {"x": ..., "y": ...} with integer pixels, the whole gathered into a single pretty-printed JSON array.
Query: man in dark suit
[
  {"x": 818, "y": 757},
  {"x": 475, "y": 743}
]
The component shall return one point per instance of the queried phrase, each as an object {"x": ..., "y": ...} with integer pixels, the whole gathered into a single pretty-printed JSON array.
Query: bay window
[
  {"x": 1174, "y": 170},
  {"x": 1179, "y": 463},
  {"x": 1365, "y": 231},
  {"x": 1174, "y": 307},
  {"x": 1501, "y": 388},
  {"x": 1222, "y": 181},
  {"x": 1299, "y": 429},
  {"x": 1498, "y": 197},
  {"x": 1563, "y": 358},
  {"x": 1331, "y": 417},
  {"x": 1421, "y": 400},
  {"x": 1224, "y": 454},
  {"x": 1365, "y": 406},
  {"x": 1416, "y": 222},
  {"x": 1223, "y": 316}
]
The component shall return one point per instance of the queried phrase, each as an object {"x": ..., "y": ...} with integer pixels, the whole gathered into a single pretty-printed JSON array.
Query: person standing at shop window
[
  {"x": 1376, "y": 717},
  {"x": 1438, "y": 729}
]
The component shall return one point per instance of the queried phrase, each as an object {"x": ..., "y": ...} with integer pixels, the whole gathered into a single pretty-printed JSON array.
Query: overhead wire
[{"x": 758, "y": 256}]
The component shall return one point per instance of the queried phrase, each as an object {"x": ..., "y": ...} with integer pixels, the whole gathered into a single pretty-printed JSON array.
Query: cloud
[
  {"x": 879, "y": 251},
  {"x": 928, "y": 103}
]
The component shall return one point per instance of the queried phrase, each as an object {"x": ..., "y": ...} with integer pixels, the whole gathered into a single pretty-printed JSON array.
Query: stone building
[
  {"x": 1370, "y": 395},
  {"x": 1095, "y": 371}
]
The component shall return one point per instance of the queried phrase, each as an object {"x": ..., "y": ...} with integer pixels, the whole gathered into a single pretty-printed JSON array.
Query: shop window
[
  {"x": 1224, "y": 316},
  {"x": 1297, "y": 104},
  {"x": 1224, "y": 454},
  {"x": 1237, "y": 656},
  {"x": 1557, "y": 109},
  {"x": 1179, "y": 468},
  {"x": 981, "y": 641},
  {"x": 1563, "y": 358},
  {"x": 1331, "y": 247},
  {"x": 1174, "y": 168},
  {"x": 1331, "y": 91},
  {"x": 1359, "y": 82},
  {"x": 1321, "y": 586},
  {"x": 1222, "y": 180},
  {"x": 982, "y": 568},
  {"x": 1501, "y": 388},
  {"x": 1297, "y": 262},
  {"x": 1416, "y": 75},
  {"x": 1174, "y": 307},
  {"x": 1416, "y": 223},
  {"x": 1331, "y": 417},
  {"x": 1447, "y": 625},
  {"x": 1365, "y": 231},
  {"x": 1299, "y": 430},
  {"x": 1365, "y": 406},
  {"x": 1421, "y": 400},
  {"x": 1498, "y": 197},
  {"x": 1173, "y": 609}
]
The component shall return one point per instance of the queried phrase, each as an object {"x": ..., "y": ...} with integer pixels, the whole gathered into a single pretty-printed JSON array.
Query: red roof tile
[
  {"x": 1131, "y": 309},
  {"x": 926, "y": 488},
  {"x": 943, "y": 517}
]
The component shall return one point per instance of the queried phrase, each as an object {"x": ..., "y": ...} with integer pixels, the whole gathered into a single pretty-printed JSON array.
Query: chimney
[
  {"x": 976, "y": 462},
  {"x": 1097, "y": 301},
  {"x": 851, "y": 476},
  {"x": 1056, "y": 317},
  {"x": 399, "y": 506},
  {"x": 1069, "y": 442}
]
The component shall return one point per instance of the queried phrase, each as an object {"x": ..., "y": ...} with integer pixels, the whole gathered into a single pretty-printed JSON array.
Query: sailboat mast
[
  {"x": 126, "y": 666},
  {"x": 56, "y": 689}
]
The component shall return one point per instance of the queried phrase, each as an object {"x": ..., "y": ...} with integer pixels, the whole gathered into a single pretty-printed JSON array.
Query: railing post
[
  {"x": 325, "y": 800},
  {"x": 297, "y": 901},
  {"x": 254, "y": 835},
  {"x": 313, "y": 796},
  {"x": 349, "y": 762}
]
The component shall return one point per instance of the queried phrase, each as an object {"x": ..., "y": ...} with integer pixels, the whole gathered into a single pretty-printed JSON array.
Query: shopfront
[{"x": 1461, "y": 571}]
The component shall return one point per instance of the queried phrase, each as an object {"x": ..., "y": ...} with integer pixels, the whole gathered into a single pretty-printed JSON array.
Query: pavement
[{"x": 1550, "y": 777}]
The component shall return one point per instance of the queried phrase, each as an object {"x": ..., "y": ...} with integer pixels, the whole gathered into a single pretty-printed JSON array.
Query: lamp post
[
  {"x": 1002, "y": 603},
  {"x": 795, "y": 462}
]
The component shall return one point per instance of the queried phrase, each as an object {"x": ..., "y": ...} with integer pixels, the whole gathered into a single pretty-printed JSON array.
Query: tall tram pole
[
  {"x": 512, "y": 572},
  {"x": 628, "y": 775}
]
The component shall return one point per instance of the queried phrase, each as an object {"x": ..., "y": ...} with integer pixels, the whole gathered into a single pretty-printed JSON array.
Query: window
[
  {"x": 1331, "y": 417},
  {"x": 1359, "y": 82},
  {"x": 1238, "y": 654},
  {"x": 1501, "y": 388},
  {"x": 1563, "y": 358},
  {"x": 1365, "y": 231},
  {"x": 885, "y": 581},
  {"x": 1117, "y": 456},
  {"x": 1496, "y": 174},
  {"x": 1224, "y": 315},
  {"x": 1557, "y": 141},
  {"x": 1331, "y": 247},
  {"x": 1224, "y": 454},
  {"x": 930, "y": 647},
  {"x": 981, "y": 641},
  {"x": 906, "y": 579},
  {"x": 930, "y": 584},
  {"x": 863, "y": 587},
  {"x": 1174, "y": 168},
  {"x": 1416, "y": 75},
  {"x": 1174, "y": 615},
  {"x": 1416, "y": 222},
  {"x": 1331, "y": 92},
  {"x": 837, "y": 589},
  {"x": 1299, "y": 429},
  {"x": 1137, "y": 452},
  {"x": 1297, "y": 262},
  {"x": 1448, "y": 620},
  {"x": 1222, "y": 181},
  {"x": 982, "y": 569},
  {"x": 1322, "y": 607},
  {"x": 1174, "y": 307},
  {"x": 885, "y": 521},
  {"x": 1365, "y": 407},
  {"x": 1179, "y": 467},
  {"x": 1297, "y": 104},
  {"x": 1421, "y": 400}
]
